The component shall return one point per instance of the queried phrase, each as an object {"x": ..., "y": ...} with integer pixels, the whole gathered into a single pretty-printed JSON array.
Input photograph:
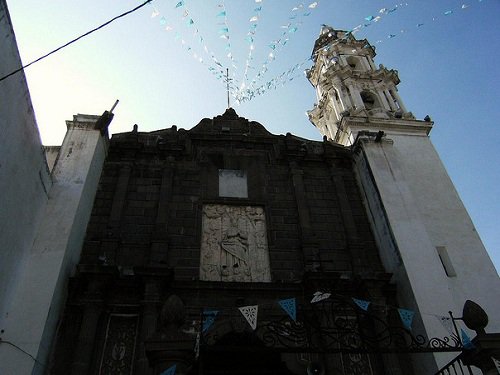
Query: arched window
[
  {"x": 354, "y": 63},
  {"x": 370, "y": 100}
]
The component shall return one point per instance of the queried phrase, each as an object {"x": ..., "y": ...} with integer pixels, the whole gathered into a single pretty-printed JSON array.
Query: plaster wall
[
  {"x": 33, "y": 316},
  {"x": 422, "y": 210},
  {"x": 51, "y": 154},
  {"x": 448, "y": 224},
  {"x": 24, "y": 176}
]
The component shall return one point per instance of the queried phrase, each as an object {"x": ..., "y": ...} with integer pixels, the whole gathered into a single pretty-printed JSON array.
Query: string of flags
[
  {"x": 289, "y": 306},
  {"x": 290, "y": 28},
  {"x": 215, "y": 67},
  {"x": 224, "y": 34},
  {"x": 250, "y": 38},
  {"x": 247, "y": 89},
  {"x": 385, "y": 11}
]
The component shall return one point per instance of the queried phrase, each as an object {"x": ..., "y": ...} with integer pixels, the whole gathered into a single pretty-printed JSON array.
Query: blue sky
[{"x": 149, "y": 60}]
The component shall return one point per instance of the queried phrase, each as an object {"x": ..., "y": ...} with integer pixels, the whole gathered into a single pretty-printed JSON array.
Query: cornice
[{"x": 389, "y": 126}]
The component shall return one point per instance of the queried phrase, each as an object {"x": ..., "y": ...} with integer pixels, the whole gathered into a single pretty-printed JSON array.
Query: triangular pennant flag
[
  {"x": 250, "y": 314},
  {"x": 208, "y": 319},
  {"x": 497, "y": 363},
  {"x": 179, "y": 4},
  {"x": 221, "y": 14},
  {"x": 170, "y": 370},
  {"x": 466, "y": 340},
  {"x": 320, "y": 296},
  {"x": 446, "y": 322},
  {"x": 361, "y": 303},
  {"x": 289, "y": 306},
  {"x": 406, "y": 317}
]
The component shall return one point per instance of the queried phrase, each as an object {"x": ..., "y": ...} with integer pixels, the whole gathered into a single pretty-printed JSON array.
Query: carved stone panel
[
  {"x": 119, "y": 347},
  {"x": 234, "y": 244}
]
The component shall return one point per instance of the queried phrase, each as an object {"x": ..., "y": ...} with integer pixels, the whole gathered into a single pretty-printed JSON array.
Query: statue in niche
[{"x": 234, "y": 244}]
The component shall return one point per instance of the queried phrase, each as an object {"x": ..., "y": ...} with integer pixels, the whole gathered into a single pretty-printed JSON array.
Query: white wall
[
  {"x": 419, "y": 209},
  {"x": 34, "y": 313},
  {"x": 24, "y": 176}
]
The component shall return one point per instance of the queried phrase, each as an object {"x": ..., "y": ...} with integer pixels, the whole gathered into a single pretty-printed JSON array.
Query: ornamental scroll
[{"x": 234, "y": 244}]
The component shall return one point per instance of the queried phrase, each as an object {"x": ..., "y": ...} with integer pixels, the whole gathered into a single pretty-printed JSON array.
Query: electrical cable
[
  {"x": 22, "y": 350},
  {"x": 76, "y": 39}
]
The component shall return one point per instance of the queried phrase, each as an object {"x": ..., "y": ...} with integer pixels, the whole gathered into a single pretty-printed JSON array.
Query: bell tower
[
  {"x": 348, "y": 84},
  {"x": 424, "y": 234}
]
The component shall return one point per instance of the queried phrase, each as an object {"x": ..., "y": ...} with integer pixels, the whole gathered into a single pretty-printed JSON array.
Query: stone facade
[{"x": 163, "y": 244}]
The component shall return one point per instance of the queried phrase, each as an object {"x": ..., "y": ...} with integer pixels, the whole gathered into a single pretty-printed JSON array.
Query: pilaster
[{"x": 33, "y": 317}]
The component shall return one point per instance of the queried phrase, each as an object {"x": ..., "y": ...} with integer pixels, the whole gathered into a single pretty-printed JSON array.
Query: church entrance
[{"x": 241, "y": 354}]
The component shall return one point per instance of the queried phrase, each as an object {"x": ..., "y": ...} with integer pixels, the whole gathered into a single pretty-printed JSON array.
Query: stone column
[
  {"x": 344, "y": 98},
  {"x": 86, "y": 338},
  {"x": 120, "y": 195},
  {"x": 159, "y": 245},
  {"x": 93, "y": 300},
  {"x": 170, "y": 345},
  {"x": 356, "y": 97},
  {"x": 383, "y": 99},
  {"x": 110, "y": 244},
  {"x": 391, "y": 101},
  {"x": 148, "y": 324},
  {"x": 398, "y": 98},
  {"x": 85, "y": 345},
  {"x": 309, "y": 247}
]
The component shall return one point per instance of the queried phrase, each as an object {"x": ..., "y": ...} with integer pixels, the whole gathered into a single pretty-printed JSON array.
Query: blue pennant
[
  {"x": 361, "y": 303},
  {"x": 170, "y": 370},
  {"x": 466, "y": 340},
  {"x": 290, "y": 307},
  {"x": 209, "y": 319},
  {"x": 179, "y": 4},
  {"x": 406, "y": 317}
]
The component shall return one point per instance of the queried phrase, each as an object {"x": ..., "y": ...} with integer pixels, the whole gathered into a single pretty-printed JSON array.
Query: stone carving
[
  {"x": 234, "y": 244},
  {"x": 119, "y": 347}
]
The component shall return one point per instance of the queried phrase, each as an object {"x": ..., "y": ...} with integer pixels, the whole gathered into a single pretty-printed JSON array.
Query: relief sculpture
[{"x": 234, "y": 244}]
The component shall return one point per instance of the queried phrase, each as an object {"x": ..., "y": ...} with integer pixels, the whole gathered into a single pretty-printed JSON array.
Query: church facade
[
  {"x": 225, "y": 249},
  {"x": 190, "y": 226}
]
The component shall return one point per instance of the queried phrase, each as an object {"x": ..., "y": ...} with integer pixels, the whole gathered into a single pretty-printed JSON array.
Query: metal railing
[{"x": 455, "y": 367}]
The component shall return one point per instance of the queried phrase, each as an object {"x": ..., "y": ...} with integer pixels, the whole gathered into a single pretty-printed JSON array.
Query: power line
[
  {"x": 76, "y": 39},
  {"x": 22, "y": 350}
]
